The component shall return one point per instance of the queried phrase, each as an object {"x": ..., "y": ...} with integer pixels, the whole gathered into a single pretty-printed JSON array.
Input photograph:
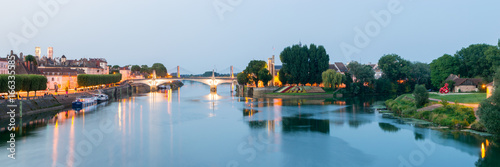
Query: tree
[
  {"x": 242, "y": 78},
  {"x": 362, "y": 73},
  {"x": 30, "y": 58},
  {"x": 331, "y": 78},
  {"x": 116, "y": 67},
  {"x": 253, "y": 69},
  {"x": 421, "y": 96},
  {"x": 302, "y": 64},
  {"x": 489, "y": 110},
  {"x": 160, "y": 69},
  {"x": 145, "y": 69},
  {"x": 473, "y": 61},
  {"x": 420, "y": 72},
  {"x": 441, "y": 68},
  {"x": 394, "y": 67},
  {"x": 135, "y": 68},
  {"x": 264, "y": 76}
]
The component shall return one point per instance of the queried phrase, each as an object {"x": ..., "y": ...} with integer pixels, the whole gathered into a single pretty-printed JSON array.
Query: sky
[{"x": 200, "y": 35}]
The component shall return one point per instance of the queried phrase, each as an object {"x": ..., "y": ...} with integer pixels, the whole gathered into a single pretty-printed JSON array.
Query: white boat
[
  {"x": 101, "y": 97},
  {"x": 84, "y": 101}
]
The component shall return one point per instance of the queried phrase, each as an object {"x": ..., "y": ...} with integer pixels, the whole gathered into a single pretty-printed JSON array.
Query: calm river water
[{"x": 191, "y": 127}]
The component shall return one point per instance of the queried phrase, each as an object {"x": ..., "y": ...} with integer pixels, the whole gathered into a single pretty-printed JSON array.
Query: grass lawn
[{"x": 474, "y": 98}]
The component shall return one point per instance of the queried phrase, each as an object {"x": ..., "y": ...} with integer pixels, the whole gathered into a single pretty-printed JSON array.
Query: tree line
[
  {"x": 93, "y": 80},
  {"x": 23, "y": 82},
  {"x": 303, "y": 64}
]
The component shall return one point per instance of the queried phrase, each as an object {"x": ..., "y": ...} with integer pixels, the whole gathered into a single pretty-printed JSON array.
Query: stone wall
[{"x": 29, "y": 107}]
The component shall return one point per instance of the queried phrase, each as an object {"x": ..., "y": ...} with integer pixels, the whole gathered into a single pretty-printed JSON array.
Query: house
[
  {"x": 4, "y": 66},
  {"x": 338, "y": 67},
  {"x": 125, "y": 71},
  {"x": 464, "y": 84},
  {"x": 61, "y": 77},
  {"x": 489, "y": 89}
]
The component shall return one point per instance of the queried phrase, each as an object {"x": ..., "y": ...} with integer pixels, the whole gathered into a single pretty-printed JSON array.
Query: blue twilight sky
[{"x": 192, "y": 34}]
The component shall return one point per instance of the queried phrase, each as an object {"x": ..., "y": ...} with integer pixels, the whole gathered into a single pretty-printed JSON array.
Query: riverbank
[
  {"x": 443, "y": 113},
  {"x": 270, "y": 92}
]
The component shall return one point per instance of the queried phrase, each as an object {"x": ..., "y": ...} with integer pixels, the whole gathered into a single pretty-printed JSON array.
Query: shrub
[
  {"x": 489, "y": 110},
  {"x": 421, "y": 96}
]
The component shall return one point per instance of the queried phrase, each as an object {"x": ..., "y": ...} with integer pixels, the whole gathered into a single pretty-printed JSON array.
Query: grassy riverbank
[
  {"x": 451, "y": 115},
  {"x": 473, "y": 98}
]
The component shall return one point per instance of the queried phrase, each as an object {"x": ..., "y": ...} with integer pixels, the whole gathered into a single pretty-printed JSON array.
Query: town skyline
[{"x": 237, "y": 36}]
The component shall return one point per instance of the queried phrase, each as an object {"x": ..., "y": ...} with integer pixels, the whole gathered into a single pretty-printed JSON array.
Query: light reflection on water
[{"x": 201, "y": 128}]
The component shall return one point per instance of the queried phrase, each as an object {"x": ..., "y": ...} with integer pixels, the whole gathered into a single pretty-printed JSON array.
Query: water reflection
[
  {"x": 387, "y": 127},
  {"x": 154, "y": 130}
]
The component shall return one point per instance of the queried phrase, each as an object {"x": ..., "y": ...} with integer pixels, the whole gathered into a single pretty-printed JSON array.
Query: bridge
[{"x": 211, "y": 81}]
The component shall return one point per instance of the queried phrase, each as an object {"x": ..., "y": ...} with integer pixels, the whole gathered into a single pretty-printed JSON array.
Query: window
[{"x": 52, "y": 79}]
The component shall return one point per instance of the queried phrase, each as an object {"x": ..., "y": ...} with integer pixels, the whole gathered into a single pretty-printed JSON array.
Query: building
[
  {"x": 464, "y": 84},
  {"x": 50, "y": 52},
  {"x": 272, "y": 70},
  {"x": 89, "y": 66},
  {"x": 489, "y": 89},
  {"x": 38, "y": 52},
  {"x": 338, "y": 67},
  {"x": 61, "y": 77},
  {"x": 4, "y": 69},
  {"x": 125, "y": 71}
]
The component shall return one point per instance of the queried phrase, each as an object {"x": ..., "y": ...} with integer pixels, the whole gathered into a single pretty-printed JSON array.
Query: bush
[
  {"x": 456, "y": 116},
  {"x": 92, "y": 80},
  {"x": 421, "y": 96},
  {"x": 489, "y": 110}
]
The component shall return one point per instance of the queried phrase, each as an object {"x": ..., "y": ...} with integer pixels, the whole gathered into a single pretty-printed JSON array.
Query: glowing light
[
  {"x": 487, "y": 143},
  {"x": 483, "y": 151}
]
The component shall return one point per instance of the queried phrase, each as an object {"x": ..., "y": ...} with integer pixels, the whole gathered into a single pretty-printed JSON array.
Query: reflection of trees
[
  {"x": 387, "y": 127},
  {"x": 356, "y": 123},
  {"x": 293, "y": 124},
  {"x": 419, "y": 136},
  {"x": 257, "y": 124}
]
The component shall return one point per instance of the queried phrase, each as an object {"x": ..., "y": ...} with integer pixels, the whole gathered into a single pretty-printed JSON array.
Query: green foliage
[
  {"x": 489, "y": 110},
  {"x": 421, "y": 96},
  {"x": 400, "y": 104},
  {"x": 242, "y": 78},
  {"x": 264, "y": 76},
  {"x": 145, "y": 69},
  {"x": 363, "y": 73},
  {"x": 303, "y": 65},
  {"x": 441, "y": 68},
  {"x": 455, "y": 116},
  {"x": 420, "y": 72},
  {"x": 30, "y": 58},
  {"x": 253, "y": 69},
  {"x": 385, "y": 86},
  {"x": 24, "y": 82},
  {"x": 331, "y": 78},
  {"x": 394, "y": 67},
  {"x": 473, "y": 61},
  {"x": 160, "y": 69},
  {"x": 92, "y": 80},
  {"x": 135, "y": 68}
]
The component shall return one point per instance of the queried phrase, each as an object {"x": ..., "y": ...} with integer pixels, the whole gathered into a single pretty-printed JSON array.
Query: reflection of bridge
[{"x": 211, "y": 81}]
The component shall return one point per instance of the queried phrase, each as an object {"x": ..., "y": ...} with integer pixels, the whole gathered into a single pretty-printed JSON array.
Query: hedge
[
  {"x": 92, "y": 80},
  {"x": 24, "y": 82}
]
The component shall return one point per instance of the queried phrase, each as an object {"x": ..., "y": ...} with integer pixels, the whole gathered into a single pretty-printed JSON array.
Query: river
[{"x": 192, "y": 127}]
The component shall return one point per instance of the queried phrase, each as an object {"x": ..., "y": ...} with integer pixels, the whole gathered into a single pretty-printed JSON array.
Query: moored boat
[
  {"x": 101, "y": 97},
  {"x": 84, "y": 101}
]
